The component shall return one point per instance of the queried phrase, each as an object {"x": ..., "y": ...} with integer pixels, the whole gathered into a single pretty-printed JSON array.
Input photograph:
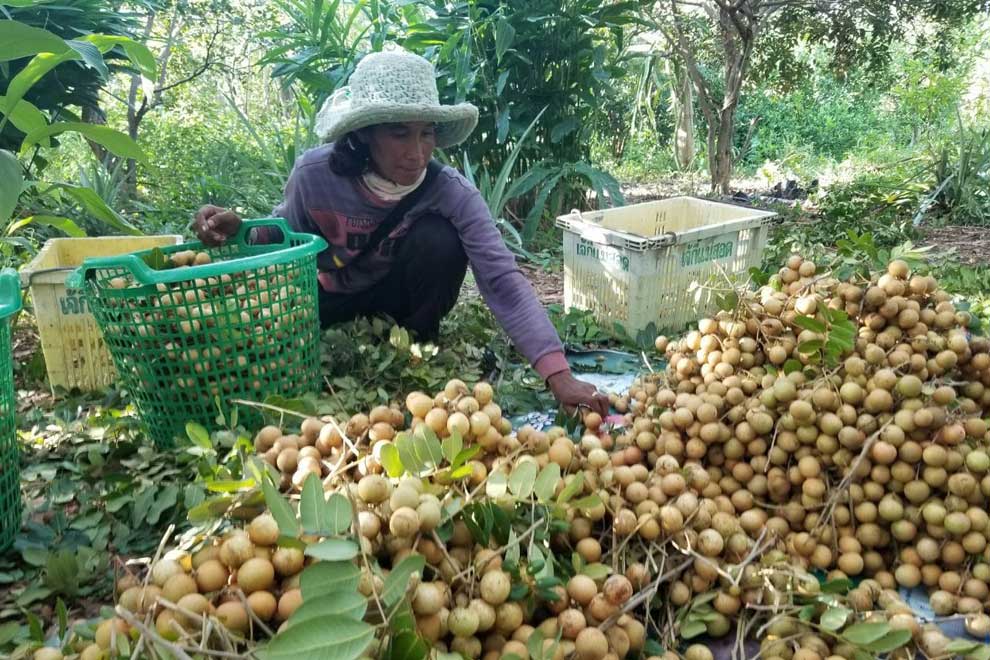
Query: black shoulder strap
[{"x": 395, "y": 216}]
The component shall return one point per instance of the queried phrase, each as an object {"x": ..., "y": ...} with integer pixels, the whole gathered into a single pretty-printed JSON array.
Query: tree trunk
[
  {"x": 95, "y": 115},
  {"x": 684, "y": 122},
  {"x": 738, "y": 35},
  {"x": 722, "y": 162}
]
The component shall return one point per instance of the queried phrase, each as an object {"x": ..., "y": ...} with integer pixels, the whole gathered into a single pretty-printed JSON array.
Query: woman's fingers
[{"x": 214, "y": 225}]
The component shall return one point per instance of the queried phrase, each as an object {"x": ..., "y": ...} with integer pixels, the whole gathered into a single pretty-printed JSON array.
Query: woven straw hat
[{"x": 392, "y": 87}]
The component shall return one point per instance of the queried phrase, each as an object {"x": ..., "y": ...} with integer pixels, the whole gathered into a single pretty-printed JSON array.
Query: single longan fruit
[
  {"x": 263, "y": 605},
  {"x": 289, "y": 603},
  {"x": 263, "y": 530},
  {"x": 591, "y": 644},
  {"x": 618, "y": 589},
  {"x": 256, "y": 575},
  {"x": 495, "y": 587},
  {"x": 233, "y": 616}
]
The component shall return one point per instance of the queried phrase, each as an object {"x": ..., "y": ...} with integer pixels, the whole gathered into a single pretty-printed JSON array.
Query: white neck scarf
[{"x": 389, "y": 190}]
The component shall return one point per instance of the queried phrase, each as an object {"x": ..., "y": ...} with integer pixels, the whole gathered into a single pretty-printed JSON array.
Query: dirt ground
[
  {"x": 549, "y": 285},
  {"x": 970, "y": 245}
]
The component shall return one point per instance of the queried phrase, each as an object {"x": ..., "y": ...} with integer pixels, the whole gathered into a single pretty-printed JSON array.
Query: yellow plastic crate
[
  {"x": 636, "y": 264},
  {"x": 75, "y": 354}
]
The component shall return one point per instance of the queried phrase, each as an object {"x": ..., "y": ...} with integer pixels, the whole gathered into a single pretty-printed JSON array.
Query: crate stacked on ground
[
  {"x": 10, "y": 494},
  {"x": 75, "y": 355},
  {"x": 194, "y": 329},
  {"x": 649, "y": 263}
]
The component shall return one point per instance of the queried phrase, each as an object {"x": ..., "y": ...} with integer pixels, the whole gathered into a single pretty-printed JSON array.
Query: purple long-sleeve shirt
[{"x": 344, "y": 212}]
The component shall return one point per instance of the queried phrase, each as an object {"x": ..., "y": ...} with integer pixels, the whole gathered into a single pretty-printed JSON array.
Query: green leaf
[
  {"x": 596, "y": 571},
  {"x": 25, "y": 116},
  {"x": 504, "y": 36},
  {"x": 523, "y": 479},
  {"x": 808, "y": 347},
  {"x": 8, "y": 632},
  {"x": 808, "y": 323},
  {"x": 96, "y": 207},
  {"x": 728, "y": 301},
  {"x": 806, "y": 612},
  {"x": 391, "y": 461},
  {"x": 407, "y": 646},
  {"x": 349, "y": 604},
  {"x": 311, "y": 507},
  {"x": 39, "y": 65},
  {"x": 465, "y": 455},
  {"x": 535, "y": 644},
  {"x": 835, "y": 617},
  {"x": 229, "y": 485},
  {"x": 157, "y": 259},
  {"x": 462, "y": 472},
  {"x": 63, "y": 617},
  {"x": 500, "y": 84},
  {"x": 338, "y": 514},
  {"x": 18, "y": 40},
  {"x": 838, "y": 586},
  {"x": 834, "y": 316},
  {"x": 333, "y": 550},
  {"x": 692, "y": 629},
  {"x": 280, "y": 509},
  {"x": 114, "y": 141},
  {"x": 35, "y": 556},
  {"x": 210, "y": 509},
  {"x": 62, "y": 573},
  {"x": 397, "y": 581},
  {"x": 68, "y": 227},
  {"x": 563, "y": 128},
  {"x": 962, "y": 646},
  {"x": 136, "y": 52},
  {"x": 407, "y": 453},
  {"x": 198, "y": 435},
  {"x": 497, "y": 485},
  {"x": 589, "y": 502},
  {"x": 320, "y": 639},
  {"x": 512, "y": 549},
  {"x": 34, "y": 625},
  {"x": 452, "y": 446},
  {"x": 91, "y": 55},
  {"x": 546, "y": 482},
  {"x": 165, "y": 499},
  {"x": 11, "y": 181},
  {"x": 428, "y": 446},
  {"x": 791, "y": 366},
  {"x": 864, "y": 633},
  {"x": 327, "y": 576},
  {"x": 981, "y": 653},
  {"x": 573, "y": 486},
  {"x": 892, "y": 640}
]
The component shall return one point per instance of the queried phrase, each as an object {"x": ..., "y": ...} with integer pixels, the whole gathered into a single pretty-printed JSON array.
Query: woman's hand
[
  {"x": 573, "y": 393},
  {"x": 214, "y": 225}
]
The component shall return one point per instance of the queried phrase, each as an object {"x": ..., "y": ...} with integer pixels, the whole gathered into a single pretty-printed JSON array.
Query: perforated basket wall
[
  {"x": 652, "y": 262},
  {"x": 10, "y": 470},
  {"x": 189, "y": 342}
]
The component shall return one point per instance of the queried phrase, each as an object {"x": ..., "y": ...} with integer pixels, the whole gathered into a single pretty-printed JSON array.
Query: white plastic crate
[
  {"x": 636, "y": 264},
  {"x": 75, "y": 354}
]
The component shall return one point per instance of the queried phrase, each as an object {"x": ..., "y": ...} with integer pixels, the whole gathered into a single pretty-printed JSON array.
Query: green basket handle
[
  {"x": 10, "y": 292},
  {"x": 247, "y": 226},
  {"x": 146, "y": 275}
]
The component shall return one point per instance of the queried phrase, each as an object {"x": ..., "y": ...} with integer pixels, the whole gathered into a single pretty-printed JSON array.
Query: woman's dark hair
[{"x": 349, "y": 155}]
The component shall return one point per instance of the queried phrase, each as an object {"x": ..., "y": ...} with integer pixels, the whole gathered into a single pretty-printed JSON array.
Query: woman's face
[{"x": 400, "y": 152}]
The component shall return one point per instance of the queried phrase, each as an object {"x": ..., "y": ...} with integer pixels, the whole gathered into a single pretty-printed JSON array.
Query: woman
[{"x": 401, "y": 228}]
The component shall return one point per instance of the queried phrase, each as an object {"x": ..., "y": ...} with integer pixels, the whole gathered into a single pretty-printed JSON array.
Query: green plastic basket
[
  {"x": 10, "y": 460},
  {"x": 188, "y": 341}
]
